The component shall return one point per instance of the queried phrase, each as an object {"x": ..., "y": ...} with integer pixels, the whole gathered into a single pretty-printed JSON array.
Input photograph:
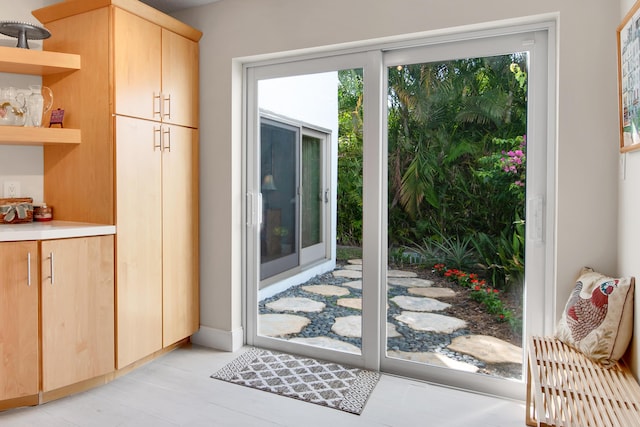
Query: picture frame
[
  {"x": 57, "y": 116},
  {"x": 628, "y": 36}
]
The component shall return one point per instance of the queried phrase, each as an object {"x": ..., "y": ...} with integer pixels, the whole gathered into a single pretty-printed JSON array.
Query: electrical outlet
[{"x": 11, "y": 189}]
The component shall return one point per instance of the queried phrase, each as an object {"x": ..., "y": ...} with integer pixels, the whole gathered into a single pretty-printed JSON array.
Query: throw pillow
[{"x": 598, "y": 317}]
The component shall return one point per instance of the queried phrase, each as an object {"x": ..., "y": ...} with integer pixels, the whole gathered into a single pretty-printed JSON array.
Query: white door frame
[{"x": 539, "y": 38}]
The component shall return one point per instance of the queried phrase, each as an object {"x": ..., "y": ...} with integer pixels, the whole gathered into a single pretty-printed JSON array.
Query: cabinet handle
[
  {"x": 167, "y": 146},
  {"x": 51, "y": 266},
  {"x": 157, "y": 138},
  {"x": 29, "y": 269},
  {"x": 157, "y": 112},
  {"x": 166, "y": 99}
]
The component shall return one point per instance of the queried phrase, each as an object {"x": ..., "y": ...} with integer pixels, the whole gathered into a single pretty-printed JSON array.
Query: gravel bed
[{"x": 409, "y": 341}]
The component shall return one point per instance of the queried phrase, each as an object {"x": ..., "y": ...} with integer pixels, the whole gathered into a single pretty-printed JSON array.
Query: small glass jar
[{"x": 42, "y": 212}]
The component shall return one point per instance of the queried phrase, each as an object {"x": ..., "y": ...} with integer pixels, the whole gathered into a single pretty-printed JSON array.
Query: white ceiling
[{"x": 170, "y": 6}]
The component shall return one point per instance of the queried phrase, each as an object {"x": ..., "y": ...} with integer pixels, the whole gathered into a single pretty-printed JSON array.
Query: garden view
[{"x": 456, "y": 175}]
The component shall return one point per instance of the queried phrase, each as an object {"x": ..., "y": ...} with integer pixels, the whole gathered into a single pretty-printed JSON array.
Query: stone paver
[
  {"x": 355, "y": 284},
  {"x": 410, "y": 282},
  {"x": 355, "y": 303},
  {"x": 326, "y": 342},
  {"x": 306, "y": 305},
  {"x": 431, "y": 322},
  {"x": 432, "y": 292},
  {"x": 348, "y": 326},
  {"x": 433, "y": 359},
  {"x": 355, "y": 261},
  {"x": 486, "y": 348},
  {"x": 277, "y": 325},
  {"x": 354, "y": 267},
  {"x": 327, "y": 290},
  {"x": 351, "y": 327},
  {"x": 348, "y": 274},
  {"x": 392, "y": 332},
  {"x": 419, "y": 304},
  {"x": 401, "y": 273}
]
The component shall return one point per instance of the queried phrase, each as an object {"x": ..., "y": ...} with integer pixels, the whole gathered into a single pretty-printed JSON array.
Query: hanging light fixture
[{"x": 267, "y": 183}]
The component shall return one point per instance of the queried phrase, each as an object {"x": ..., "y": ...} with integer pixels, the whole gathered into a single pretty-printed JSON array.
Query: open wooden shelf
[
  {"x": 36, "y": 62},
  {"x": 18, "y": 135}
]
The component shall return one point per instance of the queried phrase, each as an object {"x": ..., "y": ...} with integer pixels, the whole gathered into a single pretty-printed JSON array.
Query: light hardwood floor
[{"x": 176, "y": 390}]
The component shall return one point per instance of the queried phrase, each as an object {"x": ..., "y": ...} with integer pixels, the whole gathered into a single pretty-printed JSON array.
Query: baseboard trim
[{"x": 219, "y": 339}]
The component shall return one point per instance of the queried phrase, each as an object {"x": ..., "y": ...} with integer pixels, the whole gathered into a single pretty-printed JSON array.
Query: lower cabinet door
[
  {"x": 18, "y": 320},
  {"x": 77, "y": 310}
]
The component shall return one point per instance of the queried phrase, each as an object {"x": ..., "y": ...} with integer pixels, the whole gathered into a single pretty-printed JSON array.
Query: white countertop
[{"x": 52, "y": 230}]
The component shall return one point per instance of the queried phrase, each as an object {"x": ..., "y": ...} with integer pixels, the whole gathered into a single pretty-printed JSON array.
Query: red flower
[{"x": 477, "y": 288}]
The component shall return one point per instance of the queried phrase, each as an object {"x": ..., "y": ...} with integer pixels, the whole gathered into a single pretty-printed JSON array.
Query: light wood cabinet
[
  {"x": 156, "y": 72},
  {"x": 181, "y": 310},
  {"x": 158, "y": 256},
  {"x": 19, "y": 323},
  {"x": 139, "y": 219},
  {"x": 77, "y": 310},
  {"x": 136, "y": 98}
]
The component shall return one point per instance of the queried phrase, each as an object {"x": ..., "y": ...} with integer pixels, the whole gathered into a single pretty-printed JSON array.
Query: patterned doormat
[{"x": 322, "y": 383}]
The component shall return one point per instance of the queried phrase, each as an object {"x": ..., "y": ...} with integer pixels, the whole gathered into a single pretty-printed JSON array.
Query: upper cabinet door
[
  {"x": 137, "y": 60},
  {"x": 179, "y": 80}
]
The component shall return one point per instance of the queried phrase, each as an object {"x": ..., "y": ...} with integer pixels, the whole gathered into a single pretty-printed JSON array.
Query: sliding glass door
[
  {"x": 465, "y": 150},
  {"x": 303, "y": 294},
  {"x": 380, "y": 187},
  {"x": 280, "y": 181}
]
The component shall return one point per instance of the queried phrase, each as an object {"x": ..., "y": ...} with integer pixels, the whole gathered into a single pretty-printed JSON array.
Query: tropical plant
[
  {"x": 349, "y": 217},
  {"x": 502, "y": 257},
  {"x": 456, "y": 252}
]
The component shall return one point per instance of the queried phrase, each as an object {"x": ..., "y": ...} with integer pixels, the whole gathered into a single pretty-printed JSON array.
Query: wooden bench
[{"x": 565, "y": 388}]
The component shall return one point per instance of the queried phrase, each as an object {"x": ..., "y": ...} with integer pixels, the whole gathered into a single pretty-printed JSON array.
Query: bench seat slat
[{"x": 565, "y": 388}]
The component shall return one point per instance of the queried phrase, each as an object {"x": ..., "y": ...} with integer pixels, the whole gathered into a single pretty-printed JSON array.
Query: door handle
[
  {"x": 167, "y": 146},
  {"x": 51, "y": 267},
  {"x": 157, "y": 112},
  {"x": 29, "y": 269},
  {"x": 166, "y": 100},
  {"x": 157, "y": 138}
]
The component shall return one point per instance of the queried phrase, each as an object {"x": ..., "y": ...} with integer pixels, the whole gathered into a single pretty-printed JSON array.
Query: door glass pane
[
  {"x": 311, "y": 130},
  {"x": 456, "y": 179},
  {"x": 312, "y": 191},
  {"x": 279, "y": 186}
]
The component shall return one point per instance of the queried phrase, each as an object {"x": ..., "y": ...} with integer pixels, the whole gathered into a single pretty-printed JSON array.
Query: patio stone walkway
[{"x": 328, "y": 314}]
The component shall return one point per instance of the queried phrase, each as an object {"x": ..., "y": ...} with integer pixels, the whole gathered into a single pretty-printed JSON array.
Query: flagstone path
[{"x": 326, "y": 312}]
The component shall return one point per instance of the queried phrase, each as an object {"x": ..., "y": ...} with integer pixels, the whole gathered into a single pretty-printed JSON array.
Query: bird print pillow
[{"x": 598, "y": 317}]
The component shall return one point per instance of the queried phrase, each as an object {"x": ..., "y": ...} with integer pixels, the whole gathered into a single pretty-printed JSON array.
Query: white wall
[
  {"x": 587, "y": 116},
  {"x": 22, "y": 164},
  {"x": 591, "y": 230},
  {"x": 629, "y": 225}
]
